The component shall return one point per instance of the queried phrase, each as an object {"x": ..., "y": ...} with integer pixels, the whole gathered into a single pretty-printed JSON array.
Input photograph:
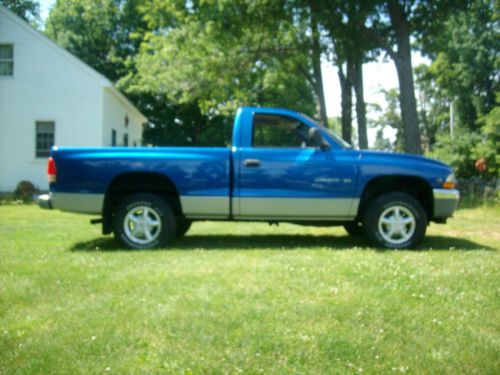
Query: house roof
[{"x": 102, "y": 80}]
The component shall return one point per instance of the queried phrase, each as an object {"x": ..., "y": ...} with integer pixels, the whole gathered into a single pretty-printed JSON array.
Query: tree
[
  {"x": 345, "y": 100},
  {"x": 391, "y": 26},
  {"x": 181, "y": 125},
  {"x": 463, "y": 74},
  {"x": 351, "y": 49},
  {"x": 355, "y": 49},
  {"x": 466, "y": 58},
  {"x": 106, "y": 34},
  {"x": 357, "y": 82},
  {"x": 88, "y": 29},
  {"x": 390, "y": 117},
  {"x": 188, "y": 65},
  {"x": 28, "y": 10},
  {"x": 433, "y": 107},
  {"x": 382, "y": 143},
  {"x": 223, "y": 55},
  {"x": 316, "y": 52}
]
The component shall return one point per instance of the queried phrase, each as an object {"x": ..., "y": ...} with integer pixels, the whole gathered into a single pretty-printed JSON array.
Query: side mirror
[{"x": 315, "y": 139}]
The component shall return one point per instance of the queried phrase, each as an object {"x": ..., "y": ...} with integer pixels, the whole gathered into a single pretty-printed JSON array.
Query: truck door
[{"x": 281, "y": 176}]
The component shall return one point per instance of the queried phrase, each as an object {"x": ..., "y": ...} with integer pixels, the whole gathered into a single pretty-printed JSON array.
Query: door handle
[{"x": 251, "y": 163}]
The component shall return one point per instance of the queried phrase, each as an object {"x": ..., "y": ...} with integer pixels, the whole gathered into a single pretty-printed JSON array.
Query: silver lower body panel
[
  {"x": 77, "y": 202},
  {"x": 203, "y": 207},
  {"x": 200, "y": 207},
  {"x": 295, "y": 208}
]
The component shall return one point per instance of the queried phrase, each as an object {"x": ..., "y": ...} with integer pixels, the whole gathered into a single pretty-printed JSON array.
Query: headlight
[{"x": 450, "y": 182}]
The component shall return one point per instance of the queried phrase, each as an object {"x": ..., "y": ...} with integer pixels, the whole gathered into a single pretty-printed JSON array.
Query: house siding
[
  {"x": 114, "y": 118},
  {"x": 49, "y": 84}
]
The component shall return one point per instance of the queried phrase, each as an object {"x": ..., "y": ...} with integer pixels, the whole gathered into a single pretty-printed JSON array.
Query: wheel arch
[
  {"x": 138, "y": 182},
  {"x": 415, "y": 186}
]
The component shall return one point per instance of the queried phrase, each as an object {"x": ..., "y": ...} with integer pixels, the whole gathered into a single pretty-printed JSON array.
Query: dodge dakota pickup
[{"x": 280, "y": 167}]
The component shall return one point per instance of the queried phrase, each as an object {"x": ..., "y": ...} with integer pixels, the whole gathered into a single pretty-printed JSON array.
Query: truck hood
[
  {"x": 385, "y": 156},
  {"x": 376, "y": 163}
]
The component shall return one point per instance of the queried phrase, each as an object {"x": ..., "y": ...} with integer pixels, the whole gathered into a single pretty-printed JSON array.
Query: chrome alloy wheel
[
  {"x": 397, "y": 224},
  {"x": 142, "y": 225}
]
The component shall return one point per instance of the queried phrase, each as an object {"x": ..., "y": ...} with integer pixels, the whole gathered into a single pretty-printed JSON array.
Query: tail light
[{"x": 51, "y": 170}]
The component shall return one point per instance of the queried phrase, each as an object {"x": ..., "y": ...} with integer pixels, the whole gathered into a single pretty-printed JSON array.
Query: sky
[
  {"x": 45, "y": 6},
  {"x": 377, "y": 75}
]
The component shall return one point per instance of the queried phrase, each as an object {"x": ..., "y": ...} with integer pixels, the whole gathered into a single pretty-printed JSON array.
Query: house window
[
  {"x": 6, "y": 60},
  {"x": 125, "y": 139},
  {"x": 45, "y": 135},
  {"x": 113, "y": 137}
]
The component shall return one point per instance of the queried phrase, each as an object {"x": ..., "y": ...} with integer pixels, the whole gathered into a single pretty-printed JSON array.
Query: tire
[
  {"x": 144, "y": 221},
  {"x": 183, "y": 226},
  {"x": 396, "y": 221},
  {"x": 354, "y": 229}
]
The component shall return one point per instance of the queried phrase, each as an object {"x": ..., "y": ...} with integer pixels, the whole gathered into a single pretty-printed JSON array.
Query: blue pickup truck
[{"x": 281, "y": 167}]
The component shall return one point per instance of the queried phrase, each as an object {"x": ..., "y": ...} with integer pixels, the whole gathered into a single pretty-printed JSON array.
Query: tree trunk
[
  {"x": 346, "y": 104},
  {"x": 318, "y": 76},
  {"x": 404, "y": 69},
  {"x": 408, "y": 107},
  {"x": 357, "y": 81}
]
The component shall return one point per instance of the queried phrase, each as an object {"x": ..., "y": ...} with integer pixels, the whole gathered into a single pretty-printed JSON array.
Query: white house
[{"x": 47, "y": 97}]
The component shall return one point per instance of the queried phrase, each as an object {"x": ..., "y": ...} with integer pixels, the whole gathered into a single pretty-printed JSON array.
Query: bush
[
  {"x": 457, "y": 152},
  {"x": 25, "y": 191},
  {"x": 469, "y": 150},
  {"x": 489, "y": 147}
]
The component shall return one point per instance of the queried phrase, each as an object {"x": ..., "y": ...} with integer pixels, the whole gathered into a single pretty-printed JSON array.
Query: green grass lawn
[{"x": 247, "y": 298}]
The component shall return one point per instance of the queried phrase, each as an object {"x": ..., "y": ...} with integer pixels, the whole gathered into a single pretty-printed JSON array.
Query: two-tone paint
[{"x": 243, "y": 182}]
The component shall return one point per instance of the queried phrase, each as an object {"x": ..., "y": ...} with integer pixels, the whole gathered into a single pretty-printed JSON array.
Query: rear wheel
[
  {"x": 395, "y": 220},
  {"x": 144, "y": 221}
]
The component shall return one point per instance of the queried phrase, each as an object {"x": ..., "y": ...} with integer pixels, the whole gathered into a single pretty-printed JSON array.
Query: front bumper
[
  {"x": 445, "y": 202},
  {"x": 44, "y": 201}
]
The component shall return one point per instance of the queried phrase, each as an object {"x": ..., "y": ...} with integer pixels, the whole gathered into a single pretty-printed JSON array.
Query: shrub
[
  {"x": 457, "y": 152},
  {"x": 25, "y": 191}
]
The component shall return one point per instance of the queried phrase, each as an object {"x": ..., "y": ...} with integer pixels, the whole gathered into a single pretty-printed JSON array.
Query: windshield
[{"x": 330, "y": 133}]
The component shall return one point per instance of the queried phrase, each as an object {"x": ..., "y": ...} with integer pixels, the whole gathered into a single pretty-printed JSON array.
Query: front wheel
[
  {"x": 395, "y": 220},
  {"x": 144, "y": 221}
]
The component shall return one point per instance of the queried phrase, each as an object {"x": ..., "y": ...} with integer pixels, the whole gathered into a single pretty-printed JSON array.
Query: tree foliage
[
  {"x": 191, "y": 61},
  {"x": 390, "y": 117},
  {"x": 433, "y": 107},
  {"x": 489, "y": 146},
  {"x": 464, "y": 71},
  {"x": 466, "y": 59},
  {"x": 457, "y": 151},
  {"x": 29, "y": 10},
  {"x": 350, "y": 49},
  {"x": 223, "y": 55},
  {"x": 187, "y": 65},
  {"x": 95, "y": 31}
]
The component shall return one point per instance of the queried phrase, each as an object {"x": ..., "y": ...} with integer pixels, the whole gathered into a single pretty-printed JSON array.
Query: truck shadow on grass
[{"x": 280, "y": 242}]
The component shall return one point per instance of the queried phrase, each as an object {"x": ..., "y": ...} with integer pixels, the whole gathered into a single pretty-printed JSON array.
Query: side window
[
  {"x": 278, "y": 131},
  {"x": 113, "y": 137},
  {"x": 45, "y": 136}
]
